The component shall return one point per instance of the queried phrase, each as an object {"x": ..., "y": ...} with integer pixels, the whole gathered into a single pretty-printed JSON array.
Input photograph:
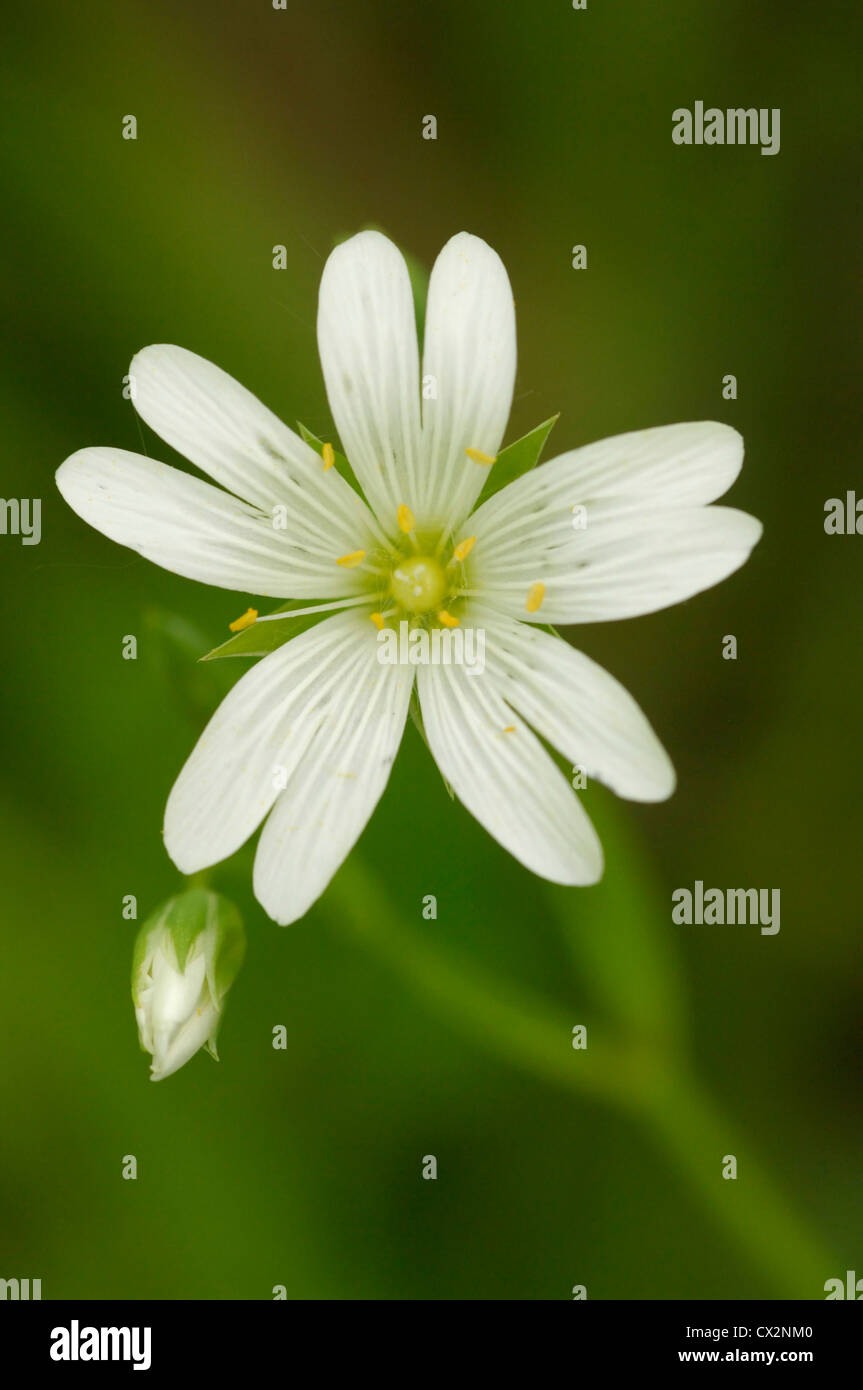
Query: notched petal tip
[{"x": 468, "y": 242}]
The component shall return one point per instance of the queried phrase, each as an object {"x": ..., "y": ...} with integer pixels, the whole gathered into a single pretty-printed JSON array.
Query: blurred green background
[{"x": 302, "y": 1167}]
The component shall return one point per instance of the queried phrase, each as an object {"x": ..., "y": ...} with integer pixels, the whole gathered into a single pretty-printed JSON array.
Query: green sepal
[
  {"x": 228, "y": 949},
  {"x": 518, "y": 458},
  {"x": 262, "y": 638},
  {"x": 341, "y": 463},
  {"x": 172, "y": 649},
  {"x": 188, "y": 915},
  {"x": 184, "y": 917},
  {"x": 140, "y": 950}
]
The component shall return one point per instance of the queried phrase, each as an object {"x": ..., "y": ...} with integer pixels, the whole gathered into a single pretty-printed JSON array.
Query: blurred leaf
[
  {"x": 518, "y": 458},
  {"x": 173, "y": 647}
]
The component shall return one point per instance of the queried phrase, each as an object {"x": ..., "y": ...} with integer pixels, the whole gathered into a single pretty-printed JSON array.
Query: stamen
[
  {"x": 447, "y": 619},
  {"x": 378, "y": 620},
  {"x": 510, "y": 729},
  {"x": 316, "y": 608},
  {"x": 249, "y": 617},
  {"x": 350, "y": 561},
  {"x": 328, "y": 454},
  {"x": 535, "y": 596},
  {"x": 464, "y": 548},
  {"x": 477, "y": 456},
  {"x": 406, "y": 519}
]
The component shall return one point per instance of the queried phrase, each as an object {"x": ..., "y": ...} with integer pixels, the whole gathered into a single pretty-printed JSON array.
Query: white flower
[
  {"x": 186, "y": 958},
  {"x": 305, "y": 740}
]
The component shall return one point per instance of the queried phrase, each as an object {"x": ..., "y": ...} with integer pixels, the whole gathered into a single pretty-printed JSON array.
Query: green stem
[
  {"x": 697, "y": 1136},
  {"x": 535, "y": 1036}
]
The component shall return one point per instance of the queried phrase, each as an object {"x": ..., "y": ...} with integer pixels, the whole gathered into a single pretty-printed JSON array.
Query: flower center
[{"x": 419, "y": 584}]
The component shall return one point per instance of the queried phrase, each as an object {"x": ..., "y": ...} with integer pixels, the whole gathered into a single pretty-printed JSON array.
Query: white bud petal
[{"x": 178, "y": 1009}]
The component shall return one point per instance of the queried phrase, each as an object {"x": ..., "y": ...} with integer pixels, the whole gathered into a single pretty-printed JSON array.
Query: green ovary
[{"x": 419, "y": 584}]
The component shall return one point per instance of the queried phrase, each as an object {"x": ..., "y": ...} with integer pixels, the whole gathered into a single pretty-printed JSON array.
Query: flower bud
[{"x": 186, "y": 957}]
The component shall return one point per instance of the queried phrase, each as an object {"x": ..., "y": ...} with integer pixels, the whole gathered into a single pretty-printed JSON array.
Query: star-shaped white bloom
[{"x": 305, "y": 740}]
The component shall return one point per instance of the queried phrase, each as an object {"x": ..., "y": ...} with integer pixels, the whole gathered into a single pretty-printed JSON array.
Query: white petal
[
  {"x": 503, "y": 775},
  {"x": 182, "y": 1013},
  {"x": 577, "y": 706},
  {"x": 367, "y": 339},
  {"x": 630, "y": 558},
  {"x": 194, "y": 529},
  {"x": 176, "y": 993},
  {"x": 172, "y": 1053},
  {"x": 469, "y": 354},
  {"x": 256, "y": 739},
  {"x": 331, "y": 795},
  {"x": 173, "y": 1050},
  {"x": 226, "y": 431},
  {"x": 617, "y": 528},
  {"x": 684, "y": 465}
]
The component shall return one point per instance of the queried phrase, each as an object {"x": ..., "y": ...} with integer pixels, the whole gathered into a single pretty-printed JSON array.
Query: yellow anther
[
  {"x": 447, "y": 619},
  {"x": 464, "y": 548},
  {"x": 510, "y": 729},
  {"x": 328, "y": 454},
  {"x": 349, "y": 562},
  {"x": 250, "y": 616},
  {"x": 477, "y": 456},
  {"x": 535, "y": 596},
  {"x": 378, "y": 620},
  {"x": 406, "y": 519}
]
